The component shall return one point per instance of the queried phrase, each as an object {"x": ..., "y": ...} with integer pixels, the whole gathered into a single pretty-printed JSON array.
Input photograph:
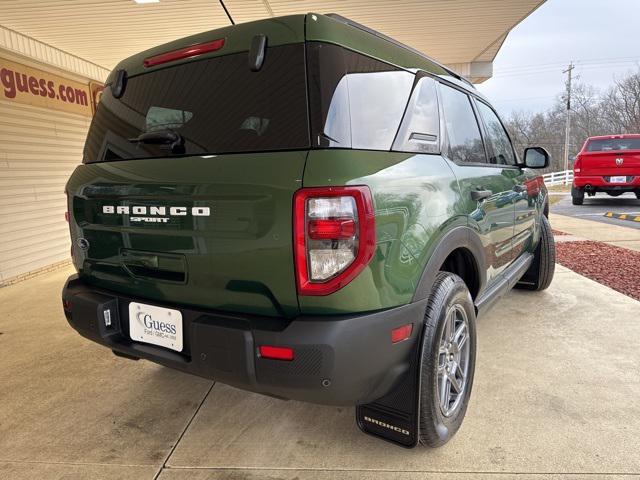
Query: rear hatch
[
  {"x": 611, "y": 157},
  {"x": 185, "y": 195}
]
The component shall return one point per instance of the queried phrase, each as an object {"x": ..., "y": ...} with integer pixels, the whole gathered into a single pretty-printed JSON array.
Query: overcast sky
[{"x": 602, "y": 37}]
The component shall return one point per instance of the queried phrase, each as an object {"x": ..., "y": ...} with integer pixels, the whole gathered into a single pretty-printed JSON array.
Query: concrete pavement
[
  {"x": 625, "y": 236},
  {"x": 556, "y": 392}
]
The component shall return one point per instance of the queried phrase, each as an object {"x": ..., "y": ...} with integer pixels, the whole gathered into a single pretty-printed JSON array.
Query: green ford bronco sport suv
[{"x": 304, "y": 208}]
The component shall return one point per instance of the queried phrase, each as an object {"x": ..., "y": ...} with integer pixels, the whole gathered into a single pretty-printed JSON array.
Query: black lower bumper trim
[{"x": 339, "y": 360}]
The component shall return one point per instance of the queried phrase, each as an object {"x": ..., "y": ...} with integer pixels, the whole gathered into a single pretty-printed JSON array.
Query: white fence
[{"x": 558, "y": 178}]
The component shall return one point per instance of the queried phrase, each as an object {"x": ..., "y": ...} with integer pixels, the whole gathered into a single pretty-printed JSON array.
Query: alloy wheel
[{"x": 453, "y": 360}]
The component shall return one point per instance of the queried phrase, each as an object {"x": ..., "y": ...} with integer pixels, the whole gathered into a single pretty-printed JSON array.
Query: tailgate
[
  {"x": 212, "y": 231},
  {"x": 610, "y": 163}
]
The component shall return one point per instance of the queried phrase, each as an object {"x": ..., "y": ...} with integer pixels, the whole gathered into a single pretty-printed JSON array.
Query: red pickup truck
[{"x": 609, "y": 164}]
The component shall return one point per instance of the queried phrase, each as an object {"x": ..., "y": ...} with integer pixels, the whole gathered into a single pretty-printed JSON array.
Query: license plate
[
  {"x": 618, "y": 180},
  {"x": 156, "y": 325}
]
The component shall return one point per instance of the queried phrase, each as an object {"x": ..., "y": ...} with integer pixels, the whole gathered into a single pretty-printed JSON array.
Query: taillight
[
  {"x": 334, "y": 237},
  {"x": 576, "y": 164},
  {"x": 187, "y": 52}
]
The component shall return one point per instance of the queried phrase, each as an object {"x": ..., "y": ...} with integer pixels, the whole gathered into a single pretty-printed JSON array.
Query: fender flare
[{"x": 458, "y": 237}]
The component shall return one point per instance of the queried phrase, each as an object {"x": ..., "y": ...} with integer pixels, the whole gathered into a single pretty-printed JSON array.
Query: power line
[
  {"x": 559, "y": 64},
  {"x": 550, "y": 69},
  {"x": 611, "y": 65},
  {"x": 545, "y": 97}
]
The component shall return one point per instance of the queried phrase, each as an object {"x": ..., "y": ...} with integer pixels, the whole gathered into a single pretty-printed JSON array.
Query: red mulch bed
[
  {"x": 558, "y": 232},
  {"x": 615, "y": 267}
]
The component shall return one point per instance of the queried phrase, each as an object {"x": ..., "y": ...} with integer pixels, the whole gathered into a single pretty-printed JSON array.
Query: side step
[{"x": 395, "y": 417}]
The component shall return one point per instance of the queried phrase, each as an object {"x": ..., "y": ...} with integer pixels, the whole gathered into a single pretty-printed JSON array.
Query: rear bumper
[
  {"x": 339, "y": 360},
  {"x": 599, "y": 182}
]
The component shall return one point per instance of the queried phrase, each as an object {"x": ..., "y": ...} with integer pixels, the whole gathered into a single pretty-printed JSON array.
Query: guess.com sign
[{"x": 23, "y": 84}]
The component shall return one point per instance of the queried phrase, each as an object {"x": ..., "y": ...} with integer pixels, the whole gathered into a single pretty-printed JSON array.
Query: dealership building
[{"x": 51, "y": 75}]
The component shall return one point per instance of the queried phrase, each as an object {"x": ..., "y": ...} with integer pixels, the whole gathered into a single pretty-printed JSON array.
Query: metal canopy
[{"x": 463, "y": 34}]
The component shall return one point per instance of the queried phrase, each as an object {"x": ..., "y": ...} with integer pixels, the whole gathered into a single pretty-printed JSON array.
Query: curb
[{"x": 623, "y": 216}]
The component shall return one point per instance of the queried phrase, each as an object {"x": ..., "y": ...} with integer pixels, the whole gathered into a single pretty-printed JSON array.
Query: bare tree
[
  {"x": 621, "y": 105},
  {"x": 615, "y": 111}
]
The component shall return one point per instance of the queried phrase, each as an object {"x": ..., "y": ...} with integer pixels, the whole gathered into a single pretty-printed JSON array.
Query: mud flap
[{"x": 395, "y": 417}]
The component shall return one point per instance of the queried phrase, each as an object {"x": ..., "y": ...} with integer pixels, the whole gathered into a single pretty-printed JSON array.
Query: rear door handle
[{"x": 478, "y": 195}]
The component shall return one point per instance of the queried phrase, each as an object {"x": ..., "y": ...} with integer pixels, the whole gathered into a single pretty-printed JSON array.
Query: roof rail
[{"x": 375, "y": 33}]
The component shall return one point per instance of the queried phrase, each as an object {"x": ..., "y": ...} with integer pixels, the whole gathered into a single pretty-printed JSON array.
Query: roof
[
  {"x": 430, "y": 62},
  {"x": 295, "y": 29}
]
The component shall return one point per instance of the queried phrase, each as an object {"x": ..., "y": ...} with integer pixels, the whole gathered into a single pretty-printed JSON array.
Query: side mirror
[{"x": 536, "y": 157}]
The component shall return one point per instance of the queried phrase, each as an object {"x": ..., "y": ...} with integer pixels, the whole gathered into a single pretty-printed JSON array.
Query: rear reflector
[
  {"x": 401, "y": 333},
  {"x": 66, "y": 216},
  {"x": 187, "y": 52},
  {"x": 276, "y": 353}
]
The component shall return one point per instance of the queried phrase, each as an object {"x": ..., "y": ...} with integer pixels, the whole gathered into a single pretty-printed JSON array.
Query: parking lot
[
  {"x": 595, "y": 208},
  {"x": 555, "y": 392}
]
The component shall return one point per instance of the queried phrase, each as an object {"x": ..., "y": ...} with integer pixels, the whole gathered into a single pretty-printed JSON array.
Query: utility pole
[{"x": 569, "y": 72}]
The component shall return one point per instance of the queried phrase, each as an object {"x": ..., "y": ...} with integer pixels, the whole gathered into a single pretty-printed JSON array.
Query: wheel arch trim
[{"x": 456, "y": 238}]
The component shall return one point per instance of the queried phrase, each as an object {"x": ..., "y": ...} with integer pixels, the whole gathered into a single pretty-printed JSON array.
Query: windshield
[
  {"x": 214, "y": 106},
  {"x": 613, "y": 144}
]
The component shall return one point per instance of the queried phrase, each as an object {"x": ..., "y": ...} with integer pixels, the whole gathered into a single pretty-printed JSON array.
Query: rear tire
[
  {"x": 540, "y": 273},
  {"x": 577, "y": 195},
  {"x": 448, "y": 359}
]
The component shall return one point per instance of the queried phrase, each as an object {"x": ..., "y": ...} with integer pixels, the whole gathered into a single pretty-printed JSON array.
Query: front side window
[
  {"x": 356, "y": 101},
  {"x": 497, "y": 137},
  {"x": 463, "y": 132}
]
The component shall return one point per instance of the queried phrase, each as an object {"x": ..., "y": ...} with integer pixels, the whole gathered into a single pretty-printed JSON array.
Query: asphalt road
[{"x": 594, "y": 208}]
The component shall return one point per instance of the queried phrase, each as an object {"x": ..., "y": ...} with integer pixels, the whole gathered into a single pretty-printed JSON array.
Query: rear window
[
  {"x": 613, "y": 144},
  {"x": 215, "y": 105},
  {"x": 357, "y": 101},
  {"x": 339, "y": 99}
]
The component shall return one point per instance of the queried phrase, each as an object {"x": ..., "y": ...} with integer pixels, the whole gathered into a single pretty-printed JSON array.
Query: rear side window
[
  {"x": 420, "y": 129},
  {"x": 216, "y": 105},
  {"x": 613, "y": 144},
  {"x": 463, "y": 132},
  {"x": 356, "y": 101},
  {"x": 497, "y": 137}
]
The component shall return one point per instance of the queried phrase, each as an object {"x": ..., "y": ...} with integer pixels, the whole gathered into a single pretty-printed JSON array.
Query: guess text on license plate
[{"x": 156, "y": 325}]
